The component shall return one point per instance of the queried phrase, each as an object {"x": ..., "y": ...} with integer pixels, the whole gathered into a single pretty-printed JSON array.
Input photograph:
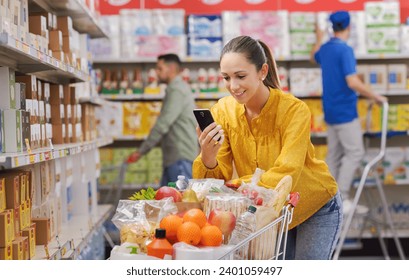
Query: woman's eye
[
  {"x": 241, "y": 77},
  {"x": 226, "y": 78}
]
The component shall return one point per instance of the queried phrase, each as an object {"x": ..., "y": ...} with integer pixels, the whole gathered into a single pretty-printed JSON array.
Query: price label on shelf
[
  {"x": 26, "y": 48},
  {"x": 16, "y": 163},
  {"x": 31, "y": 159},
  {"x": 42, "y": 157},
  {"x": 47, "y": 155}
]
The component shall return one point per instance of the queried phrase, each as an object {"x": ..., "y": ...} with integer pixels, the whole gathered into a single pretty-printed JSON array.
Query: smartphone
[{"x": 203, "y": 117}]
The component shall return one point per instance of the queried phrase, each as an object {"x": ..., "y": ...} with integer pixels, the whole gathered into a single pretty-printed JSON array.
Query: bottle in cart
[
  {"x": 160, "y": 246},
  {"x": 245, "y": 226},
  {"x": 181, "y": 183}
]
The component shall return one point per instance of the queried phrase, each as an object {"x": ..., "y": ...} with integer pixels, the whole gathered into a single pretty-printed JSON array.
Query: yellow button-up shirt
[{"x": 277, "y": 142}]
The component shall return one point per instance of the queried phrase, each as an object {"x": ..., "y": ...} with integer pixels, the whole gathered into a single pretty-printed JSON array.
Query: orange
[
  {"x": 195, "y": 215},
  {"x": 171, "y": 224},
  {"x": 189, "y": 233},
  {"x": 211, "y": 236}
]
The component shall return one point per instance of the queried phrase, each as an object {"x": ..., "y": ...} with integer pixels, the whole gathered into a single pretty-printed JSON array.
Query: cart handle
[{"x": 293, "y": 198}]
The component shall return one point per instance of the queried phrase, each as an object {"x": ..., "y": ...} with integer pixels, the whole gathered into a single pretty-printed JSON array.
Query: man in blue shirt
[{"x": 340, "y": 85}]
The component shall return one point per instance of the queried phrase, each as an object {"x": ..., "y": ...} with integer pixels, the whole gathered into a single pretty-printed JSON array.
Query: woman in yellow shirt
[{"x": 261, "y": 126}]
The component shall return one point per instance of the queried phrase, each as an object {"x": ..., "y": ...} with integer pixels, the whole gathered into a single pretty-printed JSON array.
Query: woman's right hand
[{"x": 210, "y": 140}]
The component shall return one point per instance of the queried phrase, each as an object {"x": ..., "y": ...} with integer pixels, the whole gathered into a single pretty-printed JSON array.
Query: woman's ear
[{"x": 264, "y": 71}]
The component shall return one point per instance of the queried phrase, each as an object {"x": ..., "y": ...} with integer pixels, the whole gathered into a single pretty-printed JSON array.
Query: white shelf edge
[
  {"x": 294, "y": 58},
  {"x": 14, "y": 160},
  {"x": 78, "y": 229},
  {"x": 10, "y": 43}
]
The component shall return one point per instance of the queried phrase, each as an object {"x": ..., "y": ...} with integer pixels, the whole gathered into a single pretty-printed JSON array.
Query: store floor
[{"x": 370, "y": 249}]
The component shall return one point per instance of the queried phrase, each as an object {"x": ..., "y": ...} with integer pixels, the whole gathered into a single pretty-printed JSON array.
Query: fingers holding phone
[{"x": 211, "y": 136}]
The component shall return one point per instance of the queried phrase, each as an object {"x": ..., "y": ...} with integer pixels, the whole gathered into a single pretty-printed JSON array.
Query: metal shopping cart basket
[
  {"x": 371, "y": 166},
  {"x": 269, "y": 242}
]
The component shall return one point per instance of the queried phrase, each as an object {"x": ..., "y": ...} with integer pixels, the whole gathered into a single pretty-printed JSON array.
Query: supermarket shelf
[
  {"x": 74, "y": 235},
  {"x": 210, "y": 95},
  {"x": 26, "y": 59},
  {"x": 128, "y": 138},
  {"x": 128, "y": 186},
  {"x": 95, "y": 100},
  {"x": 132, "y": 97},
  {"x": 84, "y": 20},
  {"x": 372, "y": 56},
  {"x": 11, "y": 160},
  {"x": 402, "y": 233},
  {"x": 121, "y": 60}
]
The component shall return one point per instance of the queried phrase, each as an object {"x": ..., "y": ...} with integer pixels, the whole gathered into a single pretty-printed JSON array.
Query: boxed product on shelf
[
  {"x": 20, "y": 91},
  {"x": 43, "y": 230},
  {"x": 55, "y": 40},
  {"x": 64, "y": 23},
  {"x": 302, "y": 42},
  {"x": 7, "y": 88},
  {"x": 397, "y": 76},
  {"x": 6, "y": 228},
  {"x": 305, "y": 81},
  {"x": 382, "y": 13},
  {"x": 18, "y": 247},
  {"x": 205, "y": 47},
  {"x": 383, "y": 39},
  {"x": 6, "y": 253},
  {"x": 358, "y": 26},
  {"x": 204, "y": 25},
  {"x": 30, "y": 82},
  {"x": 38, "y": 25},
  {"x": 272, "y": 27},
  {"x": 378, "y": 77},
  {"x": 168, "y": 21},
  {"x": 302, "y": 21},
  {"x": 153, "y": 45},
  {"x": 12, "y": 129},
  {"x": 2, "y": 195},
  {"x": 136, "y": 22},
  {"x": 404, "y": 33},
  {"x": 230, "y": 27}
]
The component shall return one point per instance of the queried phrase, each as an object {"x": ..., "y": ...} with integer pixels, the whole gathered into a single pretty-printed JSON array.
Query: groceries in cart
[{"x": 209, "y": 219}]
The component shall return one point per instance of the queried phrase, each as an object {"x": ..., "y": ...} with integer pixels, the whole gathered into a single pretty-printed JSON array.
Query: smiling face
[{"x": 241, "y": 77}]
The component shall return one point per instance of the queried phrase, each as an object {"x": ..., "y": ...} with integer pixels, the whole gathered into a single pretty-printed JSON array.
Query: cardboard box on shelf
[
  {"x": 64, "y": 23},
  {"x": 55, "y": 41},
  {"x": 7, "y": 88},
  {"x": 2, "y": 194},
  {"x": 13, "y": 128},
  {"x": 18, "y": 253},
  {"x": 6, "y": 228},
  {"x": 29, "y": 232},
  {"x": 6, "y": 253},
  {"x": 43, "y": 230},
  {"x": 37, "y": 25},
  {"x": 12, "y": 189}
]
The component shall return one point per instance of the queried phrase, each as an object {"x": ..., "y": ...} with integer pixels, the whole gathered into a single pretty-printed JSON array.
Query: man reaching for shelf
[
  {"x": 340, "y": 84},
  {"x": 175, "y": 127}
]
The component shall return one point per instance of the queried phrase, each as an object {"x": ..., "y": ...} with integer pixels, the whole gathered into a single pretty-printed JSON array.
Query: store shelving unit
[
  {"x": 9, "y": 160},
  {"x": 26, "y": 59},
  {"x": 84, "y": 20},
  {"x": 74, "y": 236}
]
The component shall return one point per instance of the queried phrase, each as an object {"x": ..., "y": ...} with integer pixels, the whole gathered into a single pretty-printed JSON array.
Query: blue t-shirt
[{"x": 337, "y": 61}]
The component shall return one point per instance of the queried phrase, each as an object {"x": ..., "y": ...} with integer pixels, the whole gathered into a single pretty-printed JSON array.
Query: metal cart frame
[
  {"x": 387, "y": 214},
  {"x": 274, "y": 234}
]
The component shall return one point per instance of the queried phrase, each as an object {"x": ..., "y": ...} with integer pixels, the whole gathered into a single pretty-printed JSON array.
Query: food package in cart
[
  {"x": 266, "y": 215},
  {"x": 137, "y": 220}
]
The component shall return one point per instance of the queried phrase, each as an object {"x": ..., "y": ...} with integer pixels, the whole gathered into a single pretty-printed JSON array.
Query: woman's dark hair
[{"x": 257, "y": 53}]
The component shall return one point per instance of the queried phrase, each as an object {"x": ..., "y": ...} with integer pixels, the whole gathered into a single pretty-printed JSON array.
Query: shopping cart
[
  {"x": 269, "y": 242},
  {"x": 388, "y": 222}
]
